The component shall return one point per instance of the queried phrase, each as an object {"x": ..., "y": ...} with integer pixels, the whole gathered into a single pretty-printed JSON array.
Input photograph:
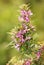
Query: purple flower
[
  {"x": 24, "y": 31},
  {"x": 18, "y": 35},
  {"x": 38, "y": 55},
  {"x": 42, "y": 48},
  {"x": 27, "y": 62},
  {"x": 27, "y": 19},
  {"x": 30, "y": 13},
  {"x": 23, "y": 12},
  {"x": 24, "y": 15},
  {"x": 17, "y": 46},
  {"x": 22, "y": 40}
]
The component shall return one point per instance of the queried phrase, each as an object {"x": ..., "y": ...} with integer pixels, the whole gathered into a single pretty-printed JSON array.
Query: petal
[
  {"x": 30, "y": 13},
  {"x": 27, "y": 19},
  {"x": 20, "y": 18}
]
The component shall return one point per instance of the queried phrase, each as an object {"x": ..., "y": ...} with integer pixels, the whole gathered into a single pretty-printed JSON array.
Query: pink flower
[
  {"x": 27, "y": 62},
  {"x": 22, "y": 40},
  {"x": 18, "y": 35},
  {"x": 42, "y": 48},
  {"x": 17, "y": 46},
  {"x": 24, "y": 15},
  {"x": 23, "y": 12},
  {"x": 24, "y": 31},
  {"x": 27, "y": 19},
  {"x": 38, "y": 55},
  {"x": 30, "y": 13}
]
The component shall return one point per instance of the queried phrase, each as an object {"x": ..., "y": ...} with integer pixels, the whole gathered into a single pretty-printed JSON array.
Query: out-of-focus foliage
[{"x": 8, "y": 19}]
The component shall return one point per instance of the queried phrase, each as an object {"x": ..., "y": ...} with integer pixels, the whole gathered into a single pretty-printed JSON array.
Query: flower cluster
[
  {"x": 25, "y": 14},
  {"x": 24, "y": 37}
]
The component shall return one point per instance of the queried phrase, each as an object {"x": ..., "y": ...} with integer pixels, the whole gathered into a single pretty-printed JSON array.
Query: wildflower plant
[{"x": 24, "y": 39}]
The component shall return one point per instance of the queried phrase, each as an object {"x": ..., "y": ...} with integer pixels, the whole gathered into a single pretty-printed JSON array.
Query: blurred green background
[{"x": 9, "y": 19}]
